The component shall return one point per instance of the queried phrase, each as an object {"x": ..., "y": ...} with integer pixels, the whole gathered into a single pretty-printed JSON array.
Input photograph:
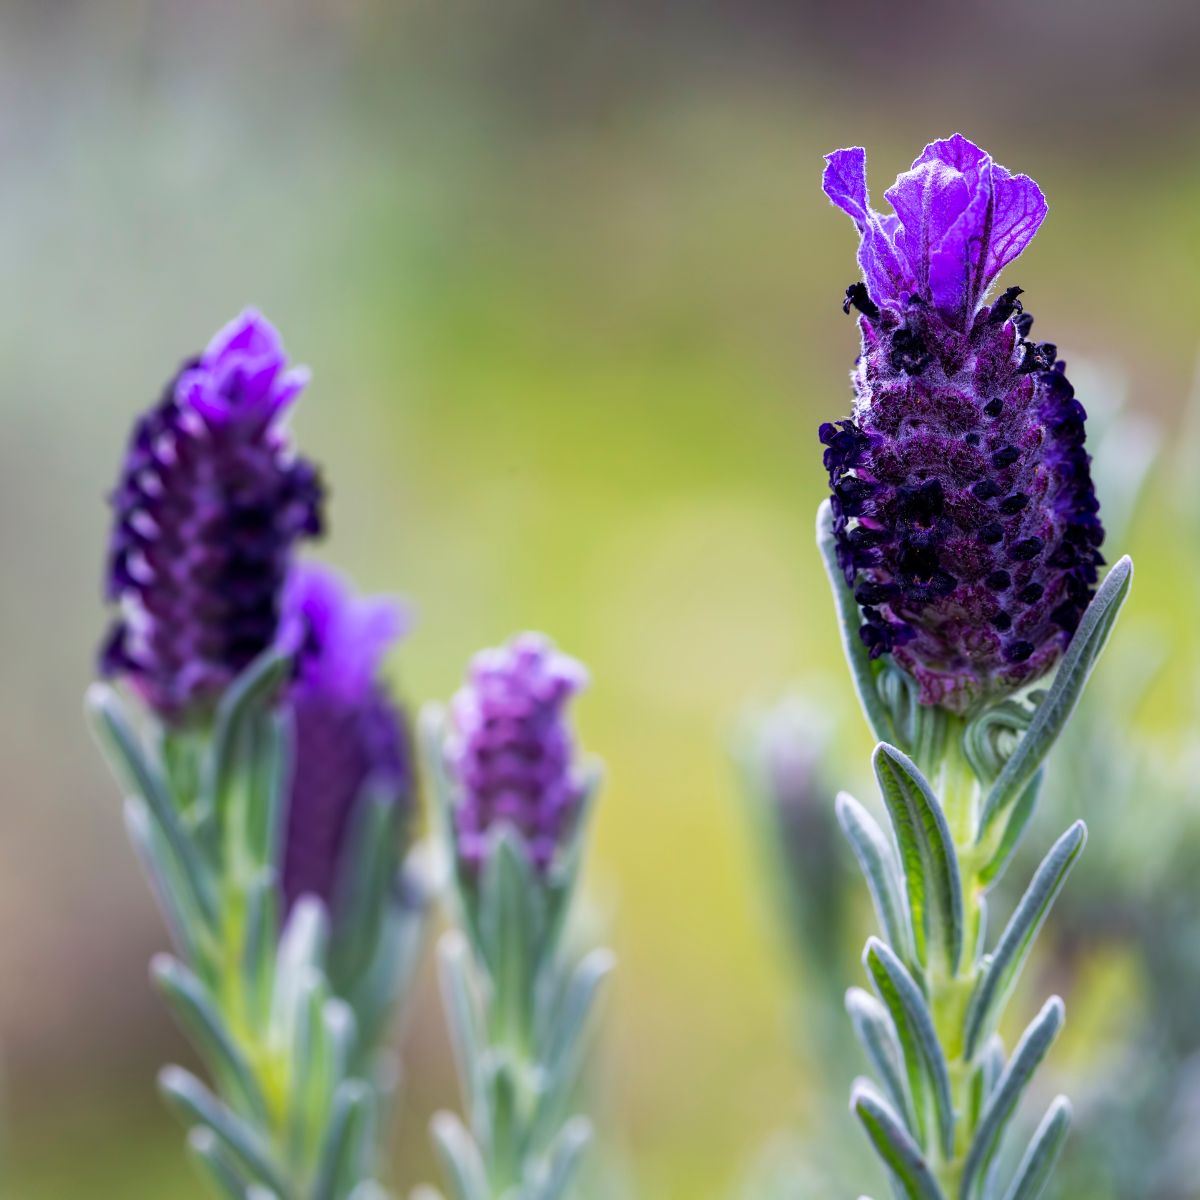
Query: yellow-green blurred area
[{"x": 571, "y": 296}]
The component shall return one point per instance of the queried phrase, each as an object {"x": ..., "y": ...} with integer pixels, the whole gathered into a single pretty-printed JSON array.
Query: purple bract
[
  {"x": 512, "y": 751},
  {"x": 209, "y": 505},
  {"x": 348, "y": 730},
  {"x": 963, "y": 506}
]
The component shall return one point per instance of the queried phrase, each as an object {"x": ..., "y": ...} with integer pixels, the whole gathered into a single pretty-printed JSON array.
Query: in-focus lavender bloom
[
  {"x": 512, "y": 751},
  {"x": 209, "y": 506},
  {"x": 348, "y": 730},
  {"x": 963, "y": 506}
]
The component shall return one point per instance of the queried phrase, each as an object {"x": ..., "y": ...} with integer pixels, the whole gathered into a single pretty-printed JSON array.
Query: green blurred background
[{"x": 571, "y": 295}]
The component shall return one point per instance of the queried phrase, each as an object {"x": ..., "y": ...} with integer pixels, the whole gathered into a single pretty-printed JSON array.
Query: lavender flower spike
[
  {"x": 512, "y": 750},
  {"x": 964, "y": 512},
  {"x": 348, "y": 730},
  {"x": 207, "y": 510}
]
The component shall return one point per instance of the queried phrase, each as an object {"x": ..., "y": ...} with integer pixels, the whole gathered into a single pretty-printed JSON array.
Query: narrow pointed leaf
[
  {"x": 208, "y": 1032},
  {"x": 901, "y": 1155},
  {"x": 140, "y": 777},
  {"x": 914, "y": 1025},
  {"x": 877, "y": 1035},
  {"x": 564, "y": 1158},
  {"x": 1056, "y": 708},
  {"x": 175, "y": 896},
  {"x": 1016, "y": 942},
  {"x": 205, "y": 1147},
  {"x": 460, "y": 1158},
  {"x": 927, "y": 852},
  {"x": 877, "y": 860},
  {"x": 463, "y": 1015},
  {"x": 570, "y": 1022},
  {"x": 1032, "y": 1048},
  {"x": 248, "y": 696},
  {"x": 507, "y": 921},
  {"x": 197, "y": 1105},
  {"x": 349, "y": 1143},
  {"x": 1036, "y": 1165}
]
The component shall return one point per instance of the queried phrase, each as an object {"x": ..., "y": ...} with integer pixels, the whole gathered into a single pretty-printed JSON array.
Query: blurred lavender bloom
[
  {"x": 786, "y": 752},
  {"x": 348, "y": 730},
  {"x": 964, "y": 511},
  {"x": 209, "y": 506},
  {"x": 512, "y": 751}
]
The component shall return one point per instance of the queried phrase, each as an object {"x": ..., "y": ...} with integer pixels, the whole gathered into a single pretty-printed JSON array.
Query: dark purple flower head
[
  {"x": 963, "y": 505},
  {"x": 512, "y": 751},
  {"x": 210, "y": 503},
  {"x": 348, "y": 730}
]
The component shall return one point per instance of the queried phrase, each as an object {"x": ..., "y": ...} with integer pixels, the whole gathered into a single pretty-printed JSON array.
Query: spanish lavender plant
[
  {"x": 267, "y": 780},
  {"x": 962, "y": 541},
  {"x": 514, "y": 804}
]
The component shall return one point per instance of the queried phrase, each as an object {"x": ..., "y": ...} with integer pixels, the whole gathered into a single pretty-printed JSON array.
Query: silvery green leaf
[
  {"x": 371, "y": 851},
  {"x": 902, "y": 1156},
  {"x": 247, "y": 698},
  {"x": 562, "y": 1160},
  {"x": 1055, "y": 709},
  {"x": 260, "y": 939},
  {"x": 268, "y": 769},
  {"x": 205, "y": 1147},
  {"x": 567, "y": 1034},
  {"x": 505, "y": 1136},
  {"x": 985, "y": 1077},
  {"x": 349, "y": 1143},
  {"x": 175, "y": 896},
  {"x": 927, "y": 853},
  {"x": 340, "y": 1033},
  {"x": 877, "y": 1036},
  {"x": 564, "y": 871},
  {"x": 1033, "y": 1173},
  {"x": 918, "y": 1039},
  {"x": 1032, "y": 1048},
  {"x": 464, "y": 1014},
  {"x": 207, "y": 1030},
  {"x": 1000, "y": 977},
  {"x": 301, "y": 950},
  {"x": 140, "y": 777},
  {"x": 566, "y": 1041},
  {"x": 241, "y": 1141},
  {"x": 312, "y": 1065},
  {"x": 1014, "y": 830},
  {"x": 510, "y": 912},
  {"x": 877, "y": 861},
  {"x": 862, "y": 670},
  {"x": 460, "y": 1158}
]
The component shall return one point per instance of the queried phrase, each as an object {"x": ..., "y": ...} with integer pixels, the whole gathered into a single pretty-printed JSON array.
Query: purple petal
[
  {"x": 845, "y": 183},
  {"x": 249, "y": 333},
  {"x": 1018, "y": 212},
  {"x": 345, "y": 636}
]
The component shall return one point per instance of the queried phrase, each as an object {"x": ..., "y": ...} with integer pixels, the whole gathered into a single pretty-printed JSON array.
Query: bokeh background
[{"x": 571, "y": 295}]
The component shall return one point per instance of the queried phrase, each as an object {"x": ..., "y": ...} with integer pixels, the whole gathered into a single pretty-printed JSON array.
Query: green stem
[{"x": 949, "y": 994}]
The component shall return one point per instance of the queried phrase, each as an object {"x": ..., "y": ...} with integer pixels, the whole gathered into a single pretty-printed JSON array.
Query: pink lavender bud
[
  {"x": 348, "y": 730},
  {"x": 512, "y": 751},
  {"x": 209, "y": 506},
  {"x": 964, "y": 511}
]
